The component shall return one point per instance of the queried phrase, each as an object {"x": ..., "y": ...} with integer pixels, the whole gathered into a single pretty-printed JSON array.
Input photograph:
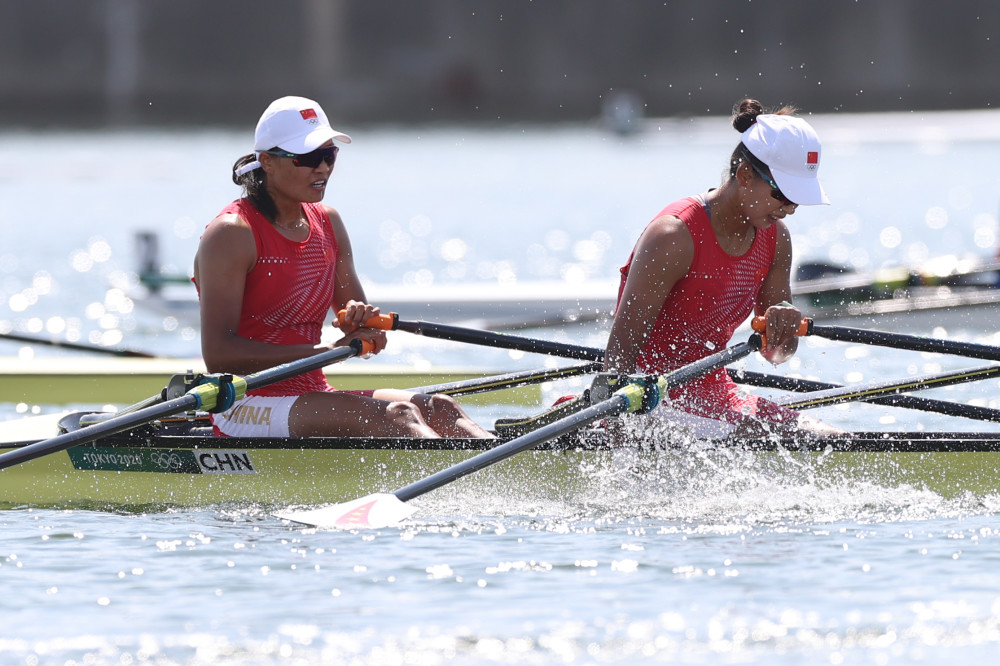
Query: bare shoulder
[
  {"x": 343, "y": 239},
  {"x": 229, "y": 224},
  {"x": 335, "y": 220},
  {"x": 782, "y": 229},
  {"x": 669, "y": 224},
  {"x": 782, "y": 235},
  {"x": 667, "y": 233},
  {"x": 228, "y": 235}
]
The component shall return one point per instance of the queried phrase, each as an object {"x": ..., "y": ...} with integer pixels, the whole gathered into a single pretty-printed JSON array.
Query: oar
[
  {"x": 508, "y": 380},
  {"x": 383, "y": 509},
  {"x": 865, "y": 391},
  {"x": 392, "y": 322},
  {"x": 204, "y": 396},
  {"x": 800, "y": 385},
  {"x": 62, "y": 344},
  {"x": 894, "y": 340},
  {"x": 908, "y": 342}
]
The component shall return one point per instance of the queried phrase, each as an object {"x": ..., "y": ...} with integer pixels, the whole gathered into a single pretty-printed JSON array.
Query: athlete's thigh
[{"x": 338, "y": 413}]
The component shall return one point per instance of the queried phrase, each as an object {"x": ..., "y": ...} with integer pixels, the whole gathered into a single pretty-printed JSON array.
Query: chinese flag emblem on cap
[
  {"x": 812, "y": 157},
  {"x": 311, "y": 113}
]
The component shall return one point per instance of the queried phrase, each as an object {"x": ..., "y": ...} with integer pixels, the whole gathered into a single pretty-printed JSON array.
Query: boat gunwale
[{"x": 589, "y": 440}]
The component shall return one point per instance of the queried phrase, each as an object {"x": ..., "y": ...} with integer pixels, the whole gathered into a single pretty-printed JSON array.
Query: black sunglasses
[
  {"x": 310, "y": 160},
  {"x": 775, "y": 192}
]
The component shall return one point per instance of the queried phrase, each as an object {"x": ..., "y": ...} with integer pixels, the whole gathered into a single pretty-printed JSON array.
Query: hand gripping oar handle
[
  {"x": 893, "y": 340},
  {"x": 392, "y": 322},
  {"x": 203, "y": 396},
  {"x": 759, "y": 324}
]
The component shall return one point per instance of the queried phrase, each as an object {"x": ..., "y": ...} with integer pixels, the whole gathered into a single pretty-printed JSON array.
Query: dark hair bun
[{"x": 745, "y": 114}]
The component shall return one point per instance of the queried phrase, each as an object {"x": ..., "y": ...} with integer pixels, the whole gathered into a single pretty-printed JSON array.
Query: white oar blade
[{"x": 372, "y": 511}]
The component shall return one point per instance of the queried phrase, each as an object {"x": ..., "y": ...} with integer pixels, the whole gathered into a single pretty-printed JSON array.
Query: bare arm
[
  {"x": 348, "y": 292},
  {"x": 662, "y": 256},
  {"x": 782, "y": 320},
  {"x": 347, "y": 286},
  {"x": 225, "y": 254}
]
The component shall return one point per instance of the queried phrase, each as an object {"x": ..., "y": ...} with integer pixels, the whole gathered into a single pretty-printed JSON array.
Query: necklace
[{"x": 293, "y": 226}]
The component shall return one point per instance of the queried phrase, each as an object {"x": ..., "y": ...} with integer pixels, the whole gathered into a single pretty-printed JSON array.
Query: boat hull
[
  {"x": 269, "y": 477},
  {"x": 140, "y": 476},
  {"x": 145, "y": 471}
]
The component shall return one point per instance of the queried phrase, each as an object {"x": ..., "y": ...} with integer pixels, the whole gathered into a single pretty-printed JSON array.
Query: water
[{"x": 730, "y": 563}]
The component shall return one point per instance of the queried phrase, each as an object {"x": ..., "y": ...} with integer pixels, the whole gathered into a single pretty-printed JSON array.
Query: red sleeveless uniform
[
  {"x": 701, "y": 313},
  {"x": 289, "y": 291}
]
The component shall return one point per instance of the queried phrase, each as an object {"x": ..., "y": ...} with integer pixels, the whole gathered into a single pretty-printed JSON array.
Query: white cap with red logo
[
  {"x": 294, "y": 124},
  {"x": 791, "y": 150}
]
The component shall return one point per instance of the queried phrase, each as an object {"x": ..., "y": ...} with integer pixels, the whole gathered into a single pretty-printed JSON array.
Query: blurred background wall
[{"x": 114, "y": 63}]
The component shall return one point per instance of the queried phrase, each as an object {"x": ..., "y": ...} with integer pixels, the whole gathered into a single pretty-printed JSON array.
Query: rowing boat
[
  {"x": 177, "y": 462},
  {"x": 160, "y": 453}
]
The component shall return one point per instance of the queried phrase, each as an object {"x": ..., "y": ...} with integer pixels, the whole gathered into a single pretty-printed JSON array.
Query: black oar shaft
[
  {"x": 506, "y": 381},
  {"x": 502, "y": 340},
  {"x": 63, "y": 344},
  {"x": 908, "y": 342},
  {"x": 862, "y": 392},
  {"x": 903, "y": 401},
  {"x": 713, "y": 362},
  {"x": 294, "y": 368}
]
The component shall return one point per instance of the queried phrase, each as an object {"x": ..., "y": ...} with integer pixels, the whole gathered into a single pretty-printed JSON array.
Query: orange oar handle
[
  {"x": 367, "y": 347},
  {"x": 759, "y": 324},
  {"x": 384, "y": 322}
]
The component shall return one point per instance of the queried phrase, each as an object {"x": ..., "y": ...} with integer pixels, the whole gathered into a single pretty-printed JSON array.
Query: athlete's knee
[
  {"x": 444, "y": 405},
  {"x": 407, "y": 416}
]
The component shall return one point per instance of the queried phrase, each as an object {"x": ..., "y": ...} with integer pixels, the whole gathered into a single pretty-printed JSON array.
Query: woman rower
[
  {"x": 706, "y": 262},
  {"x": 268, "y": 270}
]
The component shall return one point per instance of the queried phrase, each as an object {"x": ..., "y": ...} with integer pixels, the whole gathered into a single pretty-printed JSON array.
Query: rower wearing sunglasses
[
  {"x": 706, "y": 262},
  {"x": 269, "y": 269}
]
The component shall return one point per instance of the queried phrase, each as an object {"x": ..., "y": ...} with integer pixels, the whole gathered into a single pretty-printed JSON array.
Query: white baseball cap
[
  {"x": 295, "y": 124},
  {"x": 789, "y": 147}
]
